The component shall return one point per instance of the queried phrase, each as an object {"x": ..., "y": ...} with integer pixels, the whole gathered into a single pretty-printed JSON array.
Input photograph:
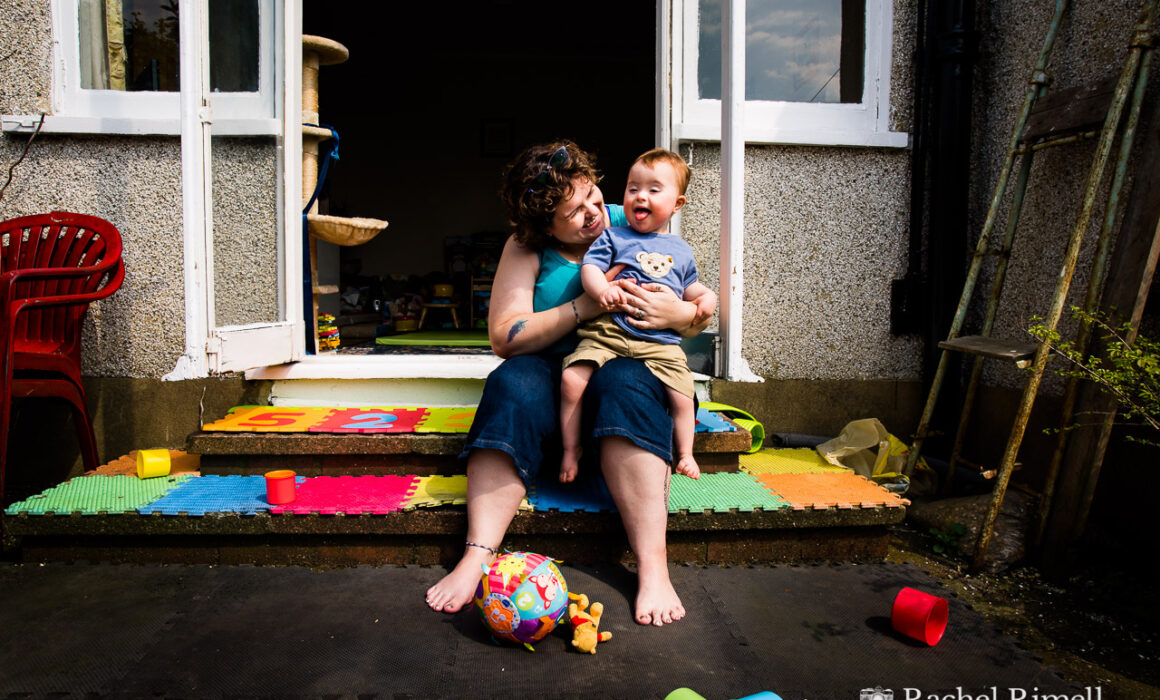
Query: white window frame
[
  {"x": 77, "y": 110},
  {"x": 863, "y": 124}
]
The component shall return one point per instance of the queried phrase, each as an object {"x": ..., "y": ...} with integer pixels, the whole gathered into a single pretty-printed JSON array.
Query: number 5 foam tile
[
  {"x": 447, "y": 419},
  {"x": 352, "y": 495},
  {"x": 369, "y": 420},
  {"x": 268, "y": 419}
]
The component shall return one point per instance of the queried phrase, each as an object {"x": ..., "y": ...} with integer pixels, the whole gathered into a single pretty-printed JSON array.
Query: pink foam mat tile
[{"x": 351, "y": 495}]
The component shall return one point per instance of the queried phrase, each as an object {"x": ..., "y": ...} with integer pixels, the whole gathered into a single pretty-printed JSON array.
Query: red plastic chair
[{"x": 51, "y": 267}]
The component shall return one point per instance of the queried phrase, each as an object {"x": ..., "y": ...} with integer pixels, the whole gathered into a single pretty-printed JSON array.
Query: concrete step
[{"x": 434, "y": 536}]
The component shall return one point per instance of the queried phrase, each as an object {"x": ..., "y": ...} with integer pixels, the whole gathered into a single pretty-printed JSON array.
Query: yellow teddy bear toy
[{"x": 586, "y": 625}]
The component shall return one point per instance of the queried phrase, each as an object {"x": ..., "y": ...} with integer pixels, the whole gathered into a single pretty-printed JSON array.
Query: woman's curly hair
[{"x": 533, "y": 188}]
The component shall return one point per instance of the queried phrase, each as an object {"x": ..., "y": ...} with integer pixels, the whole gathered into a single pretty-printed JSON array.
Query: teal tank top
[{"x": 559, "y": 280}]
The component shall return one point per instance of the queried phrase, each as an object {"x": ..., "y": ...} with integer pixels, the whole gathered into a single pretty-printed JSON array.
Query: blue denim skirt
[{"x": 519, "y": 412}]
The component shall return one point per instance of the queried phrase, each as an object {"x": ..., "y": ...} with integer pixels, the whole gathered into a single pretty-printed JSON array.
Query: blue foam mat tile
[
  {"x": 245, "y": 495},
  {"x": 588, "y": 495},
  {"x": 711, "y": 422}
]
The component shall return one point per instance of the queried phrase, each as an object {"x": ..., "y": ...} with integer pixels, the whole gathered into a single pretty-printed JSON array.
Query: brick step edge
[{"x": 435, "y": 537}]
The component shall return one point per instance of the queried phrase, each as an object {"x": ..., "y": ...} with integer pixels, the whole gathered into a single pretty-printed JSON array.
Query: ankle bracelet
[{"x": 493, "y": 550}]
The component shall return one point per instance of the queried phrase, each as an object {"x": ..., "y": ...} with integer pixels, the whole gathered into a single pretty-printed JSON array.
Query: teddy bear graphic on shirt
[{"x": 655, "y": 265}]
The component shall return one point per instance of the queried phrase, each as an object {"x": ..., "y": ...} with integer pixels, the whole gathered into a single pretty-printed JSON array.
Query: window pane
[
  {"x": 233, "y": 45},
  {"x": 133, "y": 45},
  {"x": 795, "y": 50}
]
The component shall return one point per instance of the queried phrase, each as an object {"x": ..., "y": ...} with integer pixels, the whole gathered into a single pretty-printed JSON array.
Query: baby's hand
[{"x": 612, "y": 297}]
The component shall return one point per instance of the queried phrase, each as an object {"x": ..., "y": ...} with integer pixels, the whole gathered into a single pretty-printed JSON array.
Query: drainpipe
[{"x": 924, "y": 301}]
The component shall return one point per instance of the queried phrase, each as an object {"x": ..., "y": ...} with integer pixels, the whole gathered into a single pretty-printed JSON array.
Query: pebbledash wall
[
  {"x": 133, "y": 338},
  {"x": 826, "y": 232}
]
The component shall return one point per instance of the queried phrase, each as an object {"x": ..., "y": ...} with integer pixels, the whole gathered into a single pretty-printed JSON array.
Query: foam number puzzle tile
[
  {"x": 721, "y": 492},
  {"x": 438, "y": 491},
  {"x": 447, "y": 419},
  {"x": 369, "y": 420},
  {"x": 90, "y": 495},
  {"x": 199, "y": 495},
  {"x": 352, "y": 495},
  {"x": 792, "y": 460},
  {"x": 268, "y": 419},
  {"x": 836, "y": 490},
  {"x": 712, "y": 422}
]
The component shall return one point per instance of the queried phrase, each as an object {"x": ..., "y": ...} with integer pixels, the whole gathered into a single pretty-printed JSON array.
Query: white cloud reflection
[{"x": 792, "y": 50}]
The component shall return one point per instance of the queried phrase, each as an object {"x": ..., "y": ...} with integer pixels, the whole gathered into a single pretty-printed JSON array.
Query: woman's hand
[{"x": 653, "y": 305}]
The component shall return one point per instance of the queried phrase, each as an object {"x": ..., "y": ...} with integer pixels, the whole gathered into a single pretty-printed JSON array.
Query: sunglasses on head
[{"x": 558, "y": 159}]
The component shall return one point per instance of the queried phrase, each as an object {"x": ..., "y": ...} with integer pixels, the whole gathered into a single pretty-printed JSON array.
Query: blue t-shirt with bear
[{"x": 647, "y": 257}]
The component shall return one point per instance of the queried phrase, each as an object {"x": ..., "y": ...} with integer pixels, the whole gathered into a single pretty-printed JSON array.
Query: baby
[{"x": 649, "y": 254}]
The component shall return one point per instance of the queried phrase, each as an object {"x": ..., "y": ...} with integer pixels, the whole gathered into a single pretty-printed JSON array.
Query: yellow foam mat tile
[
  {"x": 789, "y": 460},
  {"x": 447, "y": 419},
  {"x": 438, "y": 491},
  {"x": 821, "y": 491}
]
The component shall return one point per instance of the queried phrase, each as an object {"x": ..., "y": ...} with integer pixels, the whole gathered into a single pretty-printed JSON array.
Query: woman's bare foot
[
  {"x": 657, "y": 602},
  {"x": 688, "y": 466},
  {"x": 456, "y": 589}
]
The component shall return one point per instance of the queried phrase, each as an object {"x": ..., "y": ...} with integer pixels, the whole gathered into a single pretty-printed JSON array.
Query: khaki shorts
[{"x": 601, "y": 340}]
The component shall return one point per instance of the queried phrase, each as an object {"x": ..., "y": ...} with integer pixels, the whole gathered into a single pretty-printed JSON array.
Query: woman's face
[{"x": 580, "y": 218}]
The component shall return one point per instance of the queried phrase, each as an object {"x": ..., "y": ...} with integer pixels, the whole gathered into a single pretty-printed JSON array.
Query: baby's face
[{"x": 652, "y": 197}]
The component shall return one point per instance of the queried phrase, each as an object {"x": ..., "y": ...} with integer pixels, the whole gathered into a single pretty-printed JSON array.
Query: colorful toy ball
[{"x": 522, "y": 597}]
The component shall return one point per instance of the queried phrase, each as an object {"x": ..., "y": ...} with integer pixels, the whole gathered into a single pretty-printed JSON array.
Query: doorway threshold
[{"x": 419, "y": 366}]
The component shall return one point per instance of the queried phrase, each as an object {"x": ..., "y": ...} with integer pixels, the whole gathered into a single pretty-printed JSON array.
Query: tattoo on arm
[{"x": 516, "y": 328}]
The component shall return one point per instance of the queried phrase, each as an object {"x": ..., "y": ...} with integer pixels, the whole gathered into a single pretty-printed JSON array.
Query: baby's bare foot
[
  {"x": 569, "y": 466},
  {"x": 688, "y": 466}
]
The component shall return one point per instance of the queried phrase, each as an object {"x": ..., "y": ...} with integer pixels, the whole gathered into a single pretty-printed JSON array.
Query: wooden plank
[
  {"x": 1070, "y": 111},
  {"x": 1019, "y": 353}
]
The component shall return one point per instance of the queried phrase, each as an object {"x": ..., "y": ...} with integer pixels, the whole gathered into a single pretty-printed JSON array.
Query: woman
[{"x": 552, "y": 198}]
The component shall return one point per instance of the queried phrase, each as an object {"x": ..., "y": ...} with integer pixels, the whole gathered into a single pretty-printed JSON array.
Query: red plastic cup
[
  {"x": 280, "y": 487},
  {"x": 919, "y": 615}
]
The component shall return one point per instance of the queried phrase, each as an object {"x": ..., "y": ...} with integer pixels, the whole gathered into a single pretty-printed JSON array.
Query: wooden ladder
[{"x": 1045, "y": 121}]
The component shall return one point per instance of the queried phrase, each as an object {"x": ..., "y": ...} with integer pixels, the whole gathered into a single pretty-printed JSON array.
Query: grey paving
[{"x": 87, "y": 630}]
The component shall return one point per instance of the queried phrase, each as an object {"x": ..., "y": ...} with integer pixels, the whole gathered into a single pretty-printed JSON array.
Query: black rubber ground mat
[{"x": 191, "y": 632}]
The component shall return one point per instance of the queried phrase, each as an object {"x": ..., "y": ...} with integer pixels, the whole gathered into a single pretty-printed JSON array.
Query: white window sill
[
  {"x": 758, "y": 135},
  {"x": 56, "y": 124}
]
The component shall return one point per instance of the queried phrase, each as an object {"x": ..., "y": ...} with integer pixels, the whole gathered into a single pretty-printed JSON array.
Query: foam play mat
[
  {"x": 844, "y": 490},
  {"x": 721, "y": 492},
  {"x": 98, "y": 494},
  {"x": 476, "y": 338},
  {"x": 328, "y": 495},
  {"x": 791, "y": 460},
  {"x": 386, "y": 419}
]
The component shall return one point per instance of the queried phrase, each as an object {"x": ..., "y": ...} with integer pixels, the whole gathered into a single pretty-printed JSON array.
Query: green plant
[
  {"x": 946, "y": 542},
  {"x": 1129, "y": 368}
]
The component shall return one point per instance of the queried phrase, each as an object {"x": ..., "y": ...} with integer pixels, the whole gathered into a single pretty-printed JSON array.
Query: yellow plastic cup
[{"x": 152, "y": 463}]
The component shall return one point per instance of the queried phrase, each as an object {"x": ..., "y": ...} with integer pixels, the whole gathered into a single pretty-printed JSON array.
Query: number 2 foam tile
[
  {"x": 268, "y": 419},
  {"x": 447, "y": 419},
  {"x": 711, "y": 422},
  {"x": 369, "y": 420}
]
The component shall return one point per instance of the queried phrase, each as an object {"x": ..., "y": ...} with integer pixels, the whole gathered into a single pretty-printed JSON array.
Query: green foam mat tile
[
  {"x": 721, "y": 493},
  {"x": 90, "y": 495}
]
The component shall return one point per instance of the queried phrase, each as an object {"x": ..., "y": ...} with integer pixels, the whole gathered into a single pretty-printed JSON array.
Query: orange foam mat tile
[
  {"x": 820, "y": 491},
  {"x": 269, "y": 419},
  {"x": 180, "y": 462}
]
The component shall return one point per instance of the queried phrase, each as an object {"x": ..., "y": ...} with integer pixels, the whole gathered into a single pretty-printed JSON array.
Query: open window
[
  {"x": 118, "y": 65},
  {"x": 817, "y": 72}
]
